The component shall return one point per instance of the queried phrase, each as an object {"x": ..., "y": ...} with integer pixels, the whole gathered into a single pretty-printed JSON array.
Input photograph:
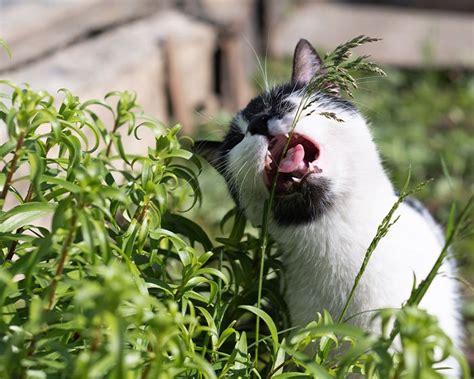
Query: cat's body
[{"x": 332, "y": 193}]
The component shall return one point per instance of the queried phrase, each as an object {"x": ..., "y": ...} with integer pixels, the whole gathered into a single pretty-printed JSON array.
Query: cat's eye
[{"x": 259, "y": 125}]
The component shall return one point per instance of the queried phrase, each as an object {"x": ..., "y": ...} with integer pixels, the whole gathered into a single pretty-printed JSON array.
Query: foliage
[
  {"x": 338, "y": 68},
  {"x": 103, "y": 275}
]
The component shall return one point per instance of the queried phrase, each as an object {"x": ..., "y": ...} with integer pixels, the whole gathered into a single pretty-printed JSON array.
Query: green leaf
[
  {"x": 24, "y": 214},
  {"x": 212, "y": 327},
  {"x": 61, "y": 182},
  {"x": 238, "y": 363},
  {"x": 291, "y": 375},
  {"x": 187, "y": 228},
  {"x": 7, "y": 148},
  {"x": 3, "y": 178},
  {"x": 36, "y": 171},
  {"x": 316, "y": 370},
  {"x": 270, "y": 324},
  {"x": 229, "y": 331}
]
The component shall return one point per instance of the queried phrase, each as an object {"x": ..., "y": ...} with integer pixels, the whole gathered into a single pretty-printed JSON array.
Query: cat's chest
[{"x": 320, "y": 269}]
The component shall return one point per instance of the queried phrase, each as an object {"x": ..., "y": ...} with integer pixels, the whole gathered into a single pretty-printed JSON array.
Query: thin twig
[
  {"x": 419, "y": 292},
  {"x": 14, "y": 244},
  {"x": 266, "y": 218},
  {"x": 382, "y": 230},
  {"x": 13, "y": 167},
  {"x": 62, "y": 260},
  {"x": 114, "y": 129}
]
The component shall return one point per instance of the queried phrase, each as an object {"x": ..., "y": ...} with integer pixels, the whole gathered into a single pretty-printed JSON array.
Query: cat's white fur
[{"x": 322, "y": 258}]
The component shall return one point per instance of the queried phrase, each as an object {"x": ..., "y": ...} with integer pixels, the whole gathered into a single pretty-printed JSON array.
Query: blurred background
[{"x": 196, "y": 62}]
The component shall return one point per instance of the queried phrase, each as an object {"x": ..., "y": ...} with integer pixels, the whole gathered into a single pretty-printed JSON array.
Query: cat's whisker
[
  {"x": 240, "y": 169},
  {"x": 212, "y": 132},
  {"x": 364, "y": 105},
  {"x": 245, "y": 177},
  {"x": 259, "y": 62}
]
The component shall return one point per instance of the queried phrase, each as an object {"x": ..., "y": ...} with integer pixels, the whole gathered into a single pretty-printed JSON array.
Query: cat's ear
[
  {"x": 306, "y": 63},
  {"x": 209, "y": 150}
]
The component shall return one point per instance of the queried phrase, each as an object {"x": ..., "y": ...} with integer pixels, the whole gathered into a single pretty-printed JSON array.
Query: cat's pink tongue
[{"x": 292, "y": 160}]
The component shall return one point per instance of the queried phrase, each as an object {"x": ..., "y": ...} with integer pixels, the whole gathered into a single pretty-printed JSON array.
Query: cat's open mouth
[{"x": 294, "y": 167}]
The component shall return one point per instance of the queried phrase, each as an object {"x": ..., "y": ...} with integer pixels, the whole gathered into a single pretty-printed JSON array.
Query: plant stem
[
  {"x": 11, "y": 171},
  {"x": 424, "y": 285},
  {"x": 265, "y": 221},
  {"x": 143, "y": 211},
  {"x": 381, "y": 232},
  {"x": 13, "y": 246},
  {"x": 280, "y": 366},
  {"x": 419, "y": 292},
  {"x": 114, "y": 129},
  {"x": 62, "y": 260}
]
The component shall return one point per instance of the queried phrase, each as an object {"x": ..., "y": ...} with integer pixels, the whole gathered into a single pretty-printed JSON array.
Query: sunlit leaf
[{"x": 23, "y": 215}]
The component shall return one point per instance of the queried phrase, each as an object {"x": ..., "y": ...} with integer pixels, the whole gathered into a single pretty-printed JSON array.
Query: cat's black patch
[
  {"x": 306, "y": 206},
  {"x": 273, "y": 103},
  {"x": 233, "y": 137},
  {"x": 259, "y": 125}
]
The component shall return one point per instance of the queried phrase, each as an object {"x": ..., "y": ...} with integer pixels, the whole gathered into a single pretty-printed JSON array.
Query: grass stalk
[
  {"x": 453, "y": 230},
  {"x": 382, "y": 230},
  {"x": 334, "y": 75},
  {"x": 265, "y": 221}
]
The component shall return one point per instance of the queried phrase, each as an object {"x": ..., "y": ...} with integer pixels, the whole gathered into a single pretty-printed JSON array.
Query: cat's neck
[{"x": 349, "y": 224}]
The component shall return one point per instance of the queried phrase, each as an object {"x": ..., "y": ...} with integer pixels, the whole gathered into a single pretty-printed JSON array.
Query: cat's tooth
[
  {"x": 295, "y": 179},
  {"x": 310, "y": 166},
  {"x": 268, "y": 160}
]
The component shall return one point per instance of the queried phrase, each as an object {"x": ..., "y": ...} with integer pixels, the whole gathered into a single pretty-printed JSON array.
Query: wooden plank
[
  {"x": 190, "y": 58},
  {"x": 131, "y": 58},
  {"x": 410, "y": 38},
  {"x": 95, "y": 66},
  {"x": 36, "y": 29}
]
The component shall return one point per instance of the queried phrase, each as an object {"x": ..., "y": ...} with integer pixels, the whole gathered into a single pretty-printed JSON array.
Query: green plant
[
  {"x": 75, "y": 294},
  {"x": 103, "y": 275}
]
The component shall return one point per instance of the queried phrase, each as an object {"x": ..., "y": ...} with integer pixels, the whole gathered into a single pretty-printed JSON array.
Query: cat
[{"x": 331, "y": 194}]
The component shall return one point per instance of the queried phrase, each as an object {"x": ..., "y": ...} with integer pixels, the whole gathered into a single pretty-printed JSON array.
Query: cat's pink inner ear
[{"x": 306, "y": 62}]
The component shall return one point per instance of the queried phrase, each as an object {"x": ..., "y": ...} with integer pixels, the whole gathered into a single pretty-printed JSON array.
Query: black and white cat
[{"x": 332, "y": 193}]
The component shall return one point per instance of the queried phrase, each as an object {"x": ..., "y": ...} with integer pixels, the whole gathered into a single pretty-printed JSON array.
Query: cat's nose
[
  {"x": 278, "y": 126},
  {"x": 259, "y": 125}
]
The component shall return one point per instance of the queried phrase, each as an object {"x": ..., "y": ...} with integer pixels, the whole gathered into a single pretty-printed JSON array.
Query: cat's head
[{"x": 325, "y": 156}]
